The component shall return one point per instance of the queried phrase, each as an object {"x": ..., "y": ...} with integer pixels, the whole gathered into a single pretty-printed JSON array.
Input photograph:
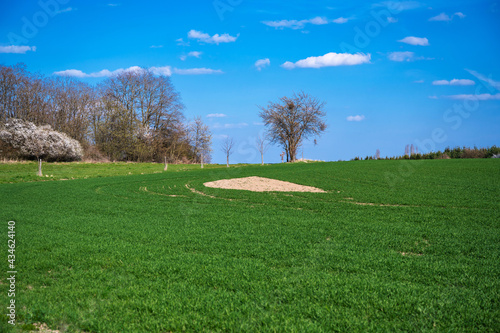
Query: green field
[{"x": 393, "y": 246}]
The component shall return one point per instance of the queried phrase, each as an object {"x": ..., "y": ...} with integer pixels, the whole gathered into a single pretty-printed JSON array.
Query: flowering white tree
[{"x": 41, "y": 142}]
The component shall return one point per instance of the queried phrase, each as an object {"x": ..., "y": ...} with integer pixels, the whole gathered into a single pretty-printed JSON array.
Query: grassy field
[
  {"x": 393, "y": 246},
  {"x": 27, "y": 171}
]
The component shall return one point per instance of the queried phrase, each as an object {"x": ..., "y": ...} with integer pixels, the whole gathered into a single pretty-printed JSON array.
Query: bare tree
[
  {"x": 140, "y": 111},
  {"x": 227, "y": 147},
  {"x": 10, "y": 78},
  {"x": 72, "y": 102},
  {"x": 262, "y": 146},
  {"x": 135, "y": 115},
  {"x": 24, "y": 95},
  {"x": 200, "y": 139},
  {"x": 293, "y": 120}
]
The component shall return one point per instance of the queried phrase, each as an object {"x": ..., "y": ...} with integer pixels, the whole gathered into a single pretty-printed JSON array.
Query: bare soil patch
[{"x": 261, "y": 184}]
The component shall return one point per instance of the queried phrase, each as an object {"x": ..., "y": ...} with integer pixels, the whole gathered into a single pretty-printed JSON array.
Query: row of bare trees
[
  {"x": 62, "y": 103},
  {"x": 135, "y": 115},
  {"x": 261, "y": 143},
  {"x": 138, "y": 115}
]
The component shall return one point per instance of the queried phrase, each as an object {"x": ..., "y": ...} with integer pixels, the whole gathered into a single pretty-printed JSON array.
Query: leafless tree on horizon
[
  {"x": 227, "y": 147},
  {"x": 292, "y": 120}
]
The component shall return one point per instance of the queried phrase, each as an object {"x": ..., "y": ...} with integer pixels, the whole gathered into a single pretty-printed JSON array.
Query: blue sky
[{"x": 391, "y": 73}]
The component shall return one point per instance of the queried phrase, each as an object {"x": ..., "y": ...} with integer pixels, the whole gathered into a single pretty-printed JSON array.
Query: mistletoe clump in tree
[{"x": 292, "y": 120}]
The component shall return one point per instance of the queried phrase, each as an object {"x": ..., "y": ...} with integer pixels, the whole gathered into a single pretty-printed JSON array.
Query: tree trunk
[
  {"x": 293, "y": 151},
  {"x": 262, "y": 157},
  {"x": 40, "y": 167},
  {"x": 227, "y": 163},
  {"x": 166, "y": 164},
  {"x": 202, "y": 161}
]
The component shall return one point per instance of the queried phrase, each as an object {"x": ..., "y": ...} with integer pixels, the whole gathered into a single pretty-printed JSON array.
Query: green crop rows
[{"x": 393, "y": 246}]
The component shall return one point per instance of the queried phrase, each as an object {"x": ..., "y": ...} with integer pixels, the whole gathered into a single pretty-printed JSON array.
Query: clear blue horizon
[{"x": 391, "y": 73}]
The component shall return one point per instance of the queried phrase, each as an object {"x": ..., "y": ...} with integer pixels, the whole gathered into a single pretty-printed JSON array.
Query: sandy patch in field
[{"x": 260, "y": 184}]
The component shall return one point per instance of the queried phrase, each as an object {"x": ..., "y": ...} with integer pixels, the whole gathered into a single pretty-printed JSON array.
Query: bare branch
[{"x": 227, "y": 147}]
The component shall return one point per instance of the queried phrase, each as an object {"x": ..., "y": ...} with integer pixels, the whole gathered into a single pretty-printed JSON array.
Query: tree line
[
  {"x": 133, "y": 116},
  {"x": 448, "y": 153}
]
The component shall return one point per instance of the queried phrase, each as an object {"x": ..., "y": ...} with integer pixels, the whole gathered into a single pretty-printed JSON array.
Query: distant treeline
[
  {"x": 448, "y": 153},
  {"x": 133, "y": 116}
]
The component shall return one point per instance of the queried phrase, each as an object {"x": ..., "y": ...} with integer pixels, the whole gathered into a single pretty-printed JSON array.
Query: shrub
[
  {"x": 93, "y": 155},
  {"x": 30, "y": 141}
]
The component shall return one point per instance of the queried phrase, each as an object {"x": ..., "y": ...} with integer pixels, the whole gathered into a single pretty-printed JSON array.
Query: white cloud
[
  {"x": 216, "y": 115},
  {"x": 295, "y": 24},
  {"x": 107, "y": 73},
  {"x": 261, "y": 63},
  {"x": 399, "y": 6},
  {"x": 340, "y": 20},
  {"x": 481, "y": 97},
  {"x": 17, "y": 49},
  {"x": 197, "y": 71},
  {"x": 181, "y": 42},
  {"x": 195, "y": 54},
  {"x": 66, "y": 10},
  {"x": 329, "y": 60},
  {"x": 156, "y": 46},
  {"x": 72, "y": 73},
  {"x": 215, "y": 39},
  {"x": 356, "y": 118},
  {"x": 230, "y": 126},
  {"x": 490, "y": 81},
  {"x": 405, "y": 56},
  {"x": 80, "y": 74},
  {"x": 258, "y": 123},
  {"x": 445, "y": 17},
  {"x": 165, "y": 70},
  {"x": 318, "y": 21},
  {"x": 402, "y": 56},
  {"x": 415, "y": 41},
  {"x": 454, "y": 82},
  {"x": 441, "y": 17}
]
